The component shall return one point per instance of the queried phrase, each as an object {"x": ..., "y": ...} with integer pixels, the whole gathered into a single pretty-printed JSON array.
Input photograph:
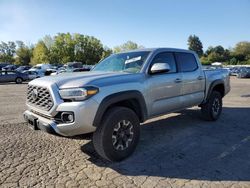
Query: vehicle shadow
[{"x": 185, "y": 146}]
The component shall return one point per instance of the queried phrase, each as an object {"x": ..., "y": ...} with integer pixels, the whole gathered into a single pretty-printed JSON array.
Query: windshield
[{"x": 127, "y": 62}]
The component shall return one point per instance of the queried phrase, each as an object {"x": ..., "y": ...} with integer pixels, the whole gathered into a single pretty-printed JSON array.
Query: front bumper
[
  {"x": 84, "y": 113},
  {"x": 36, "y": 122}
]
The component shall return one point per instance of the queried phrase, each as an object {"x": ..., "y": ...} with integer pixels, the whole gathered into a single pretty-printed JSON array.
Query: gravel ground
[{"x": 176, "y": 150}]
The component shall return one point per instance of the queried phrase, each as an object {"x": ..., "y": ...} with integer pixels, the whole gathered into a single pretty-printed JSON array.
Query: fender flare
[
  {"x": 119, "y": 97},
  {"x": 212, "y": 86}
]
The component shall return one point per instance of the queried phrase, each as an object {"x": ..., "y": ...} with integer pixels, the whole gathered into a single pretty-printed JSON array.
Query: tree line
[
  {"x": 66, "y": 47},
  {"x": 60, "y": 49},
  {"x": 238, "y": 55}
]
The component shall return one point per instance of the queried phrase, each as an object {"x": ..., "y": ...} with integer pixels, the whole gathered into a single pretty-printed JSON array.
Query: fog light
[{"x": 67, "y": 117}]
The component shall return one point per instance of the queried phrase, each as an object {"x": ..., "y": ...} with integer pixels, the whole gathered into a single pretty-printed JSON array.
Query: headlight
[{"x": 78, "y": 94}]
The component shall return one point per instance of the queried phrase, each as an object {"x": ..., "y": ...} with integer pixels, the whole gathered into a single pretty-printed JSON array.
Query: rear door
[
  {"x": 193, "y": 79},
  {"x": 164, "y": 89}
]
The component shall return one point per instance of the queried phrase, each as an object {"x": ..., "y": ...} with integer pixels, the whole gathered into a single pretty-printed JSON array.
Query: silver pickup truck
[{"x": 121, "y": 92}]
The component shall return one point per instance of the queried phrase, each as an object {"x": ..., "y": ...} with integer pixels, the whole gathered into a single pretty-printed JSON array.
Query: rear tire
[
  {"x": 118, "y": 135},
  {"x": 212, "y": 109},
  {"x": 19, "y": 80}
]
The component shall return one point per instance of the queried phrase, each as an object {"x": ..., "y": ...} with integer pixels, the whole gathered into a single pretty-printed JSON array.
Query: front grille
[{"x": 39, "y": 97}]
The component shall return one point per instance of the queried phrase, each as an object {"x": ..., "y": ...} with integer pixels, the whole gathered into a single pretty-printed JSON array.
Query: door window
[
  {"x": 166, "y": 57},
  {"x": 10, "y": 73},
  {"x": 186, "y": 62}
]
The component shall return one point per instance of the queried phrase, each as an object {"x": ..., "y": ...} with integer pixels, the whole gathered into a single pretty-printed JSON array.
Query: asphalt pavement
[{"x": 175, "y": 150}]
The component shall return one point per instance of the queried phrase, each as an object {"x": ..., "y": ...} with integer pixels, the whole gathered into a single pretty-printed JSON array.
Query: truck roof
[{"x": 160, "y": 49}]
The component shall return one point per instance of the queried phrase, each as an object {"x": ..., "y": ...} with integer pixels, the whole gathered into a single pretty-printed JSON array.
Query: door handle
[
  {"x": 200, "y": 78},
  {"x": 178, "y": 80}
]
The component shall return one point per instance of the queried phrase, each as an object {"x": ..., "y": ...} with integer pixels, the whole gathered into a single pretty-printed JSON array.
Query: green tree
[
  {"x": 195, "y": 44},
  {"x": 87, "y": 49},
  {"x": 77, "y": 47},
  {"x": 48, "y": 41},
  {"x": 233, "y": 61},
  {"x": 63, "y": 48},
  {"x": 7, "y": 51},
  {"x": 242, "y": 51},
  {"x": 217, "y": 49},
  {"x": 215, "y": 57},
  {"x": 217, "y": 54},
  {"x": 40, "y": 54},
  {"x": 23, "y": 54},
  {"x": 205, "y": 61},
  {"x": 129, "y": 45},
  {"x": 106, "y": 52}
]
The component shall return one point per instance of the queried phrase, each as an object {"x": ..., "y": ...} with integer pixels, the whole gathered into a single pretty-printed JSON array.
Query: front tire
[
  {"x": 212, "y": 109},
  {"x": 118, "y": 135}
]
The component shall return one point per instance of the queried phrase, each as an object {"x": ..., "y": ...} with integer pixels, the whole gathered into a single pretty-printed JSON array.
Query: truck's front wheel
[
  {"x": 116, "y": 138},
  {"x": 212, "y": 109}
]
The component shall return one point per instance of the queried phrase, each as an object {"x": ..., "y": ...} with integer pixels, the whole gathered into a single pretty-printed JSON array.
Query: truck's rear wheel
[
  {"x": 118, "y": 135},
  {"x": 212, "y": 109}
]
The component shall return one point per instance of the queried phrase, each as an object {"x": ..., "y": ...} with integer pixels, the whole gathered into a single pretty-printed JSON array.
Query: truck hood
[{"x": 100, "y": 79}]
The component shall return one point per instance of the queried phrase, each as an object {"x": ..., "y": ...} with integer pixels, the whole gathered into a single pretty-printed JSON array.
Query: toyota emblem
[{"x": 35, "y": 94}]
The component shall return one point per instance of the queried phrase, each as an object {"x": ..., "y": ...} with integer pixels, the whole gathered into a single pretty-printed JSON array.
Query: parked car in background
[
  {"x": 69, "y": 70},
  {"x": 88, "y": 66},
  {"x": 48, "y": 72},
  {"x": 31, "y": 74},
  {"x": 57, "y": 66},
  {"x": 59, "y": 71},
  {"x": 81, "y": 70},
  {"x": 73, "y": 65},
  {"x": 10, "y": 67},
  {"x": 234, "y": 71},
  {"x": 244, "y": 72},
  {"x": 2, "y": 65},
  {"x": 23, "y": 68},
  {"x": 41, "y": 69},
  {"x": 13, "y": 76}
]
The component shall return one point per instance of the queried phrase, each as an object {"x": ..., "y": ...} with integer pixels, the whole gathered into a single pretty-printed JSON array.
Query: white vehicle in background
[
  {"x": 41, "y": 69},
  {"x": 59, "y": 71}
]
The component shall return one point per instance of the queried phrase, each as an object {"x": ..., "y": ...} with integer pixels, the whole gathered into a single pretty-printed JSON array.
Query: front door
[{"x": 164, "y": 89}]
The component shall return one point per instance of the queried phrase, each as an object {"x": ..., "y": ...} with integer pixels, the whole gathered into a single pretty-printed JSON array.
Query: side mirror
[{"x": 159, "y": 68}]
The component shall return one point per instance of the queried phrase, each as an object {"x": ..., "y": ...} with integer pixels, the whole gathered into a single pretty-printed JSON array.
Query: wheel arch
[
  {"x": 217, "y": 85},
  {"x": 131, "y": 99},
  {"x": 19, "y": 77}
]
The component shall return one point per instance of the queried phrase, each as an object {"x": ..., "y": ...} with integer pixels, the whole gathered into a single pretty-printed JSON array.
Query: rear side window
[
  {"x": 166, "y": 57},
  {"x": 186, "y": 62}
]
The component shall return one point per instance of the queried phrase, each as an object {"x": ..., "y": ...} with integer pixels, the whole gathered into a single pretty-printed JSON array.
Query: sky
[{"x": 154, "y": 23}]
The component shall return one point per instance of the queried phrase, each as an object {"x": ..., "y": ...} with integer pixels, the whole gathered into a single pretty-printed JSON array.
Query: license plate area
[{"x": 32, "y": 122}]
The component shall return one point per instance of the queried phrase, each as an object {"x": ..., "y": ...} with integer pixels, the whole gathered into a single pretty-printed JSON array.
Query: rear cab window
[{"x": 186, "y": 62}]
